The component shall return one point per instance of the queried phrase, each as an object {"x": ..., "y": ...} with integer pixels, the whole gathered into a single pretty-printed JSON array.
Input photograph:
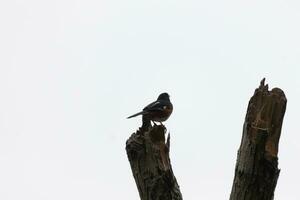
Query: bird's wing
[
  {"x": 152, "y": 107},
  {"x": 155, "y": 106}
]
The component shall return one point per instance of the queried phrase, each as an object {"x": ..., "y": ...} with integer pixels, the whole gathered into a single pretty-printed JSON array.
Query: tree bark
[
  {"x": 256, "y": 170},
  {"x": 148, "y": 154}
]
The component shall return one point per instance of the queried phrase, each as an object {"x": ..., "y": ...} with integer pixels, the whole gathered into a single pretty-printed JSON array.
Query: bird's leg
[
  {"x": 163, "y": 125},
  {"x": 154, "y": 123}
]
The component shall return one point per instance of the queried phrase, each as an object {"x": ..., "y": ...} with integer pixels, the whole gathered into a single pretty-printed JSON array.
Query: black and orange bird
[{"x": 157, "y": 111}]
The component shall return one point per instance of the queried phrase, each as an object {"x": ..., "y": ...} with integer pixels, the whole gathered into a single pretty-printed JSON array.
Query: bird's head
[{"x": 164, "y": 96}]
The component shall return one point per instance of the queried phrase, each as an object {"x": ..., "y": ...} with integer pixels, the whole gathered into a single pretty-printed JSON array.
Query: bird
[{"x": 157, "y": 111}]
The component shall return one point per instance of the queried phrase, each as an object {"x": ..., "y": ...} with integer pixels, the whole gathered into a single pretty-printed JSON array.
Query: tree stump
[
  {"x": 256, "y": 170},
  {"x": 148, "y": 154}
]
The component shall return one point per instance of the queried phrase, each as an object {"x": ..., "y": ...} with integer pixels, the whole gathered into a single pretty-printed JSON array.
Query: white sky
[{"x": 72, "y": 71}]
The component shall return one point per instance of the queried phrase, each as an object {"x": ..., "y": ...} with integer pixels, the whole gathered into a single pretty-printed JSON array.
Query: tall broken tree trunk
[
  {"x": 256, "y": 170},
  {"x": 148, "y": 154}
]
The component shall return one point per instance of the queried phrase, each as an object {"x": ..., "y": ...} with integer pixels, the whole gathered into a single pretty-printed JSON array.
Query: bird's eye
[{"x": 165, "y": 107}]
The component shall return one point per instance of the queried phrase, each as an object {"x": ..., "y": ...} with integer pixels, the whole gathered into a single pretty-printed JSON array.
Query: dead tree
[
  {"x": 256, "y": 170},
  {"x": 148, "y": 154}
]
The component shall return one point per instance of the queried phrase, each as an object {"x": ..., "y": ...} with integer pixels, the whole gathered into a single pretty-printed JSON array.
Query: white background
[{"x": 72, "y": 71}]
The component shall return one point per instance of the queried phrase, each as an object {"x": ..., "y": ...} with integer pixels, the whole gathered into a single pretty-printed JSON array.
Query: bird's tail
[{"x": 136, "y": 114}]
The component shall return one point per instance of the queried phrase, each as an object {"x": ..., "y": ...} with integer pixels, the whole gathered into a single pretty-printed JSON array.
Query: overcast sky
[{"x": 72, "y": 71}]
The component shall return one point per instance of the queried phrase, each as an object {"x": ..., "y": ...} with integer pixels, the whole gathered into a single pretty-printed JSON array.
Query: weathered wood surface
[
  {"x": 256, "y": 170},
  {"x": 148, "y": 154}
]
